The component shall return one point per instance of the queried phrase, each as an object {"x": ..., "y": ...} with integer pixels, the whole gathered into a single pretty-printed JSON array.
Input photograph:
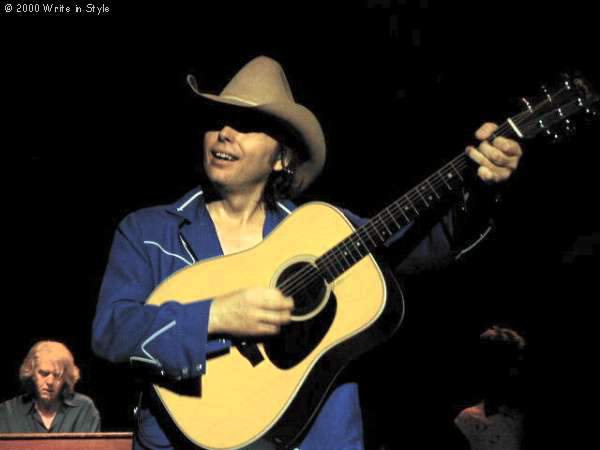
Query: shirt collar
[
  {"x": 71, "y": 401},
  {"x": 29, "y": 403},
  {"x": 191, "y": 208}
]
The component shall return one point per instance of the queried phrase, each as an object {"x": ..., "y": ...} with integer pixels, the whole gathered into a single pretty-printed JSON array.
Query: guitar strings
[
  {"x": 366, "y": 231},
  {"x": 307, "y": 275},
  {"x": 299, "y": 279},
  {"x": 414, "y": 195},
  {"x": 381, "y": 220},
  {"x": 331, "y": 260}
]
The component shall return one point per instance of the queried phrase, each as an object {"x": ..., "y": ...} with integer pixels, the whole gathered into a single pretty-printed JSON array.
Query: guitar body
[{"x": 276, "y": 397}]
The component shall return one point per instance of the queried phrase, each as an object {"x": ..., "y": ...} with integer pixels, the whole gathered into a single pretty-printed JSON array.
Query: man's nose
[{"x": 226, "y": 134}]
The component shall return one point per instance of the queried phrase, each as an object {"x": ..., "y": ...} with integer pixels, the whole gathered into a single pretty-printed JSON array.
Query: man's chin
[{"x": 47, "y": 396}]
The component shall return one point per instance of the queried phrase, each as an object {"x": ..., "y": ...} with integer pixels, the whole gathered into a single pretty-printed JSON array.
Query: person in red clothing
[{"x": 497, "y": 422}]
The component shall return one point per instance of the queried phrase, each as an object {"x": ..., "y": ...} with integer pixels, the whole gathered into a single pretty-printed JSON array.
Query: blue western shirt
[{"x": 153, "y": 243}]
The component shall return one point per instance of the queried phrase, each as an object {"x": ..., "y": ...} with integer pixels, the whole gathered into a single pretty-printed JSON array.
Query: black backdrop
[{"x": 98, "y": 122}]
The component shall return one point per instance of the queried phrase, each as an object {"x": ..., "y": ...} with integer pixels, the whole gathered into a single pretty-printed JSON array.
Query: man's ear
[{"x": 282, "y": 158}]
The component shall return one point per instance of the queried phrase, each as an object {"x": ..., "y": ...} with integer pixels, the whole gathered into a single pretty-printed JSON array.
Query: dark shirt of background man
[{"x": 77, "y": 414}]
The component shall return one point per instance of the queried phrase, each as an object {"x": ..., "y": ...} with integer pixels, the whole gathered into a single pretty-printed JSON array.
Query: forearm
[
  {"x": 437, "y": 240},
  {"x": 171, "y": 337}
]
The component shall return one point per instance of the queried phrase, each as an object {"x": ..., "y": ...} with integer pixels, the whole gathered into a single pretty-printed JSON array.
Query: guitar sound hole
[
  {"x": 307, "y": 286},
  {"x": 298, "y": 338}
]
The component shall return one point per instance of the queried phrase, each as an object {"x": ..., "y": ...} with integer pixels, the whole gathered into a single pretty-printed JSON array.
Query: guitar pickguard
[{"x": 298, "y": 339}]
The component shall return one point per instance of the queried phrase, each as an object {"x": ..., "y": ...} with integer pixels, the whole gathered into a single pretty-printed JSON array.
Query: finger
[
  {"x": 267, "y": 329},
  {"x": 275, "y": 317},
  {"x": 497, "y": 156},
  {"x": 504, "y": 335},
  {"x": 277, "y": 302},
  {"x": 490, "y": 332},
  {"x": 289, "y": 303},
  {"x": 508, "y": 146},
  {"x": 266, "y": 298},
  {"x": 487, "y": 171},
  {"x": 485, "y": 131},
  {"x": 493, "y": 176},
  {"x": 512, "y": 335}
]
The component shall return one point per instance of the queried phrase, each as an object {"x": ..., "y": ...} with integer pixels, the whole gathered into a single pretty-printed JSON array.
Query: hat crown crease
[{"x": 261, "y": 81}]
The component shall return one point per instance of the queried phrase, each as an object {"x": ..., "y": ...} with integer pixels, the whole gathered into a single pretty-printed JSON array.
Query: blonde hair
[{"x": 60, "y": 355}]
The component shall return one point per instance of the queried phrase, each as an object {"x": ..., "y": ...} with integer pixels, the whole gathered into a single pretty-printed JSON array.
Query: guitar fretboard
[
  {"x": 435, "y": 189},
  {"x": 572, "y": 97}
]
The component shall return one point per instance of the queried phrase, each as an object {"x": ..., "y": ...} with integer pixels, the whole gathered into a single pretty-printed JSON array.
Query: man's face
[
  {"x": 48, "y": 378},
  {"x": 239, "y": 161}
]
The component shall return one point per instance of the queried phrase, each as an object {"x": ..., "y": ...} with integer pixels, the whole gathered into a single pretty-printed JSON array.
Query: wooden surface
[{"x": 66, "y": 441}]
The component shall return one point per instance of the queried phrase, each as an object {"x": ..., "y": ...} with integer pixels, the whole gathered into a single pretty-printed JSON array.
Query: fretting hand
[{"x": 497, "y": 160}]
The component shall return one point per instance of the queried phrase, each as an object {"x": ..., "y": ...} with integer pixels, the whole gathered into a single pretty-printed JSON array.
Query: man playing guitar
[{"x": 261, "y": 149}]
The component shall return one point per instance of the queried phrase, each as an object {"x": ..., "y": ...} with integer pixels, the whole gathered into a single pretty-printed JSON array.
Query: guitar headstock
[{"x": 558, "y": 106}]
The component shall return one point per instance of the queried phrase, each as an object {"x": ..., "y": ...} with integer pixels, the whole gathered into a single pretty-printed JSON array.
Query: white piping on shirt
[
  {"x": 470, "y": 247},
  {"x": 182, "y": 207},
  {"x": 281, "y": 205},
  {"x": 186, "y": 248},
  {"x": 169, "y": 253},
  {"x": 151, "y": 359}
]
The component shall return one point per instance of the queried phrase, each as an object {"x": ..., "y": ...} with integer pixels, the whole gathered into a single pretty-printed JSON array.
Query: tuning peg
[
  {"x": 524, "y": 101},
  {"x": 565, "y": 76},
  {"x": 591, "y": 113},
  {"x": 566, "y": 80},
  {"x": 552, "y": 136},
  {"x": 568, "y": 128},
  {"x": 546, "y": 92}
]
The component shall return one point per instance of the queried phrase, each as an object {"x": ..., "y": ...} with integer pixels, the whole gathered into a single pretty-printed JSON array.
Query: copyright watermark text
[{"x": 54, "y": 9}]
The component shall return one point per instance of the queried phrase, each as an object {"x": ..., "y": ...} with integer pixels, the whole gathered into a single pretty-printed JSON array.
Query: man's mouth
[{"x": 223, "y": 156}]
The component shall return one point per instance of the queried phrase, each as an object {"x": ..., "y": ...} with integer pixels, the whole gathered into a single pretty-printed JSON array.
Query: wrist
[{"x": 214, "y": 318}]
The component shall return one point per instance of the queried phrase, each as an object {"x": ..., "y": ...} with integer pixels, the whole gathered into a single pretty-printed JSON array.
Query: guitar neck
[
  {"x": 557, "y": 107},
  {"x": 426, "y": 196}
]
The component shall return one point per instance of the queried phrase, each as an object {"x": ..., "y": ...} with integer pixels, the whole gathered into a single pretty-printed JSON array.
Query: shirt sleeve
[
  {"x": 4, "y": 428},
  {"x": 89, "y": 421},
  {"x": 170, "y": 339},
  {"x": 436, "y": 240}
]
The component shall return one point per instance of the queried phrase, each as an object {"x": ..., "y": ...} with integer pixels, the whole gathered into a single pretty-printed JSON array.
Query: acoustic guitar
[{"x": 345, "y": 302}]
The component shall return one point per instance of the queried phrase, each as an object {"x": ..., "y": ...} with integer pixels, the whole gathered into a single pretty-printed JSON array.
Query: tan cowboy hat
[{"x": 261, "y": 86}]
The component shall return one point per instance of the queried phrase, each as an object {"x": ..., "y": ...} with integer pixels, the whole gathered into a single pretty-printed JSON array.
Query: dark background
[{"x": 98, "y": 121}]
